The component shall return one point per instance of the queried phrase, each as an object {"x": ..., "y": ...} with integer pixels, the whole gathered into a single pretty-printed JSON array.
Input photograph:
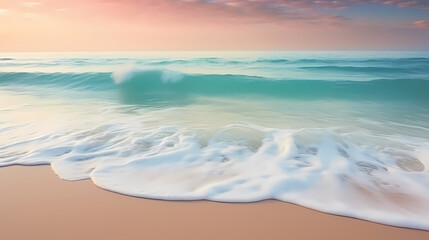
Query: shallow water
[{"x": 341, "y": 132}]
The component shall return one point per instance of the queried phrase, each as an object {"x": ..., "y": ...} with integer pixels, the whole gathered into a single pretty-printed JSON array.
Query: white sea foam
[
  {"x": 317, "y": 168},
  {"x": 382, "y": 179},
  {"x": 129, "y": 72},
  {"x": 169, "y": 76}
]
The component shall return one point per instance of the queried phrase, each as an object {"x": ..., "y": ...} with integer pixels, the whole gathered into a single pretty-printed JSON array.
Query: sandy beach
[{"x": 35, "y": 204}]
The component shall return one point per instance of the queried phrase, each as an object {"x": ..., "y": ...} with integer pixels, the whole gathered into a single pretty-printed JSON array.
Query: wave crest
[{"x": 129, "y": 73}]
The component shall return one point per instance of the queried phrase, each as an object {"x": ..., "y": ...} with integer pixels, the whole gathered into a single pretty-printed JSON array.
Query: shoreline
[{"x": 36, "y": 204}]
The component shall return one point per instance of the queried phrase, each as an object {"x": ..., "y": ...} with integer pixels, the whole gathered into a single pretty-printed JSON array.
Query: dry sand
[{"x": 35, "y": 204}]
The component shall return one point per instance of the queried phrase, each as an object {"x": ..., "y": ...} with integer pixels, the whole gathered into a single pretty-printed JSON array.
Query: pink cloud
[
  {"x": 424, "y": 4},
  {"x": 259, "y": 11},
  {"x": 308, "y": 4},
  {"x": 421, "y": 24}
]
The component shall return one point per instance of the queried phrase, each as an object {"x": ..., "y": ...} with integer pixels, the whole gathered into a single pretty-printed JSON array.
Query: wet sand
[{"x": 36, "y": 204}]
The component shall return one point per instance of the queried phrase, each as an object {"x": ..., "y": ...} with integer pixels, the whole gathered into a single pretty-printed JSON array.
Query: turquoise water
[{"x": 341, "y": 132}]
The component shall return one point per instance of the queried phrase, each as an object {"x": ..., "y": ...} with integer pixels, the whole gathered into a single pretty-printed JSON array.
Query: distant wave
[
  {"x": 162, "y": 83},
  {"x": 352, "y": 65},
  {"x": 290, "y": 61},
  {"x": 363, "y": 69},
  {"x": 137, "y": 85},
  {"x": 366, "y": 60},
  {"x": 274, "y": 60},
  {"x": 80, "y": 81},
  {"x": 282, "y": 61}
]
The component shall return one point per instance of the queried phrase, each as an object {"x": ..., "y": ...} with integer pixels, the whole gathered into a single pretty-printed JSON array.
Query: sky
[{"x": 141, "y": 25}]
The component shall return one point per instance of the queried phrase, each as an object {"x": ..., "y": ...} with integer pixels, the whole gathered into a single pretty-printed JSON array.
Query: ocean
[{"x": 345, "y": 133}]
